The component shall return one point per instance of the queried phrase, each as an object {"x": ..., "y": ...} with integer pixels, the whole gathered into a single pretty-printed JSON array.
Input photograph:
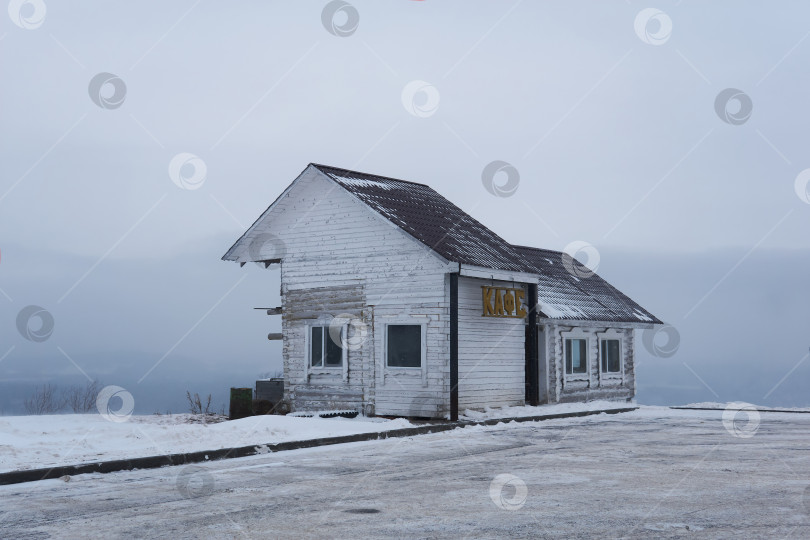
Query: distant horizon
[{"x": 238, "y": 327}]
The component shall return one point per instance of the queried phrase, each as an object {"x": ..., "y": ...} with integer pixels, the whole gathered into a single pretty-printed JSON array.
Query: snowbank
[{"x": 30, "y": 442}]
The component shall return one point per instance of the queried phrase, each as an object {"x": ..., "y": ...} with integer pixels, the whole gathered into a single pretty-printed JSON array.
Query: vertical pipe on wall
[
  {"x": 454, "y": 346},
  {"x": 532, "y": 352}
]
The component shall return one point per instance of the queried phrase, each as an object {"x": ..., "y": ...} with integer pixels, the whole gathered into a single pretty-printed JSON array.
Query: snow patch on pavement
[
  {"x": 721, "y": 406},
  {"x": 490, "y": 413}
]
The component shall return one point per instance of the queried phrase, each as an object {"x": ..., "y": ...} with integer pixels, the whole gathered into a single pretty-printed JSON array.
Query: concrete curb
[
  {"x": 154, "y": 462},
  {"x": 721, "y": 410}
]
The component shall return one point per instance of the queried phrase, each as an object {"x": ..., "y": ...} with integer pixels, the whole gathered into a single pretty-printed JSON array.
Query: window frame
[
  {"x": 324, "y": 346},
  {"x": 576, "y": 334},
  {"x": 334, "y": 369},
  {"x": 568, "y": 347},
  {"x": 422, "y": 347},
  {"x": 611, "y": 334},
  {"x": 604, "y": 364}
]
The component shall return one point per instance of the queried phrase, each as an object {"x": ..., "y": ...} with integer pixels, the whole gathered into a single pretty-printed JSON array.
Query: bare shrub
[
  {"x": 196, "y": 406},
  {"x": 82, "y": 399},
  {"x": 202, "y": 411},
  {"x": 45, "y": 400}
]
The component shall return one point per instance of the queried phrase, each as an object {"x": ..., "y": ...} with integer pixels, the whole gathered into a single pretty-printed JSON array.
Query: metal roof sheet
[
  {"x": 456, "y": 236},
  {"x": 430, "y": 218},
  {"x": 452, "y": 233},
  {"x": 586, "y": 296}
]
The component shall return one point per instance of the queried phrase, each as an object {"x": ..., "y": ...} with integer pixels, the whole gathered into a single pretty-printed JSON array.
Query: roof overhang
[{"x": 584, "y": 322}]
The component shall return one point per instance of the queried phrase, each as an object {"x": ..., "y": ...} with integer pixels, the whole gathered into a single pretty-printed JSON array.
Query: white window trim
[
  {"x": 397, "y": 370},
  {"x": 342, "y": 370},
  {"x": 577, "y": 333},
  {"x": 610, "y": 334}
]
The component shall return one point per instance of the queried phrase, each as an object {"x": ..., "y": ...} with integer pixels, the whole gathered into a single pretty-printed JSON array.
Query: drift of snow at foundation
[{"x": 490, "y": 413}]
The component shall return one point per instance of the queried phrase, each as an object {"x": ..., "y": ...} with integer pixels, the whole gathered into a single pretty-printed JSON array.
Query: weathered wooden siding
[
  {"x": 342, "y": 257},
  {"x": 563, "y": 389},
  {"x": 329, "y": 387},
  {"x": 339, "y": 257},
  {"x": 491, "y": 351}
]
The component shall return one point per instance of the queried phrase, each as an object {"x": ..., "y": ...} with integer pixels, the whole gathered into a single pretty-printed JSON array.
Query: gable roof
[
  {"x": 423, "y": 213},
  {"x": 450, "y": 232}
]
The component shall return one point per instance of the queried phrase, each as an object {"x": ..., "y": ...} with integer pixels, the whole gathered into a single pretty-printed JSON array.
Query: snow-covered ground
[
  {"x": 651, "y": 473},
  {"x": 30, "y": 442}
]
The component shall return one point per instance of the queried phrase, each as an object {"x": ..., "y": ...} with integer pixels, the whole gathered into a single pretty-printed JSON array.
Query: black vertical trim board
[
  {"x": 454, "y": 346},
  {"x": 532, "y": 354}
]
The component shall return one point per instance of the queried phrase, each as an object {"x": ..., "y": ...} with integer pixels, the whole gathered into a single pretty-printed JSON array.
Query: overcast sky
[{"x": 609, "y": 113}]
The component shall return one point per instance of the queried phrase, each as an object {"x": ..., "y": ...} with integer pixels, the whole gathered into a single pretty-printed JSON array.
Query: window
[
  {"x": 576, "y": 356},
  {"x": 324, "y": 352},
  {"x": 404, "y": 345},
  {"x": 610, "y": 353}
]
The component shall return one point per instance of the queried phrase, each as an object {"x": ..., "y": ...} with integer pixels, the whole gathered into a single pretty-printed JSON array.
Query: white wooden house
[{"x": 396, "y": 302}]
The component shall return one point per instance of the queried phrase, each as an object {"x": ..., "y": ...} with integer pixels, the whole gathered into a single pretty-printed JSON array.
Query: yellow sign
[{"x": 503, "y": 302}]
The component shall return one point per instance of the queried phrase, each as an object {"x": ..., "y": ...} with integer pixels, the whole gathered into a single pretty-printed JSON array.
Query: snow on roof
[
  {"x": 430, "y": 218},
  {"x": 455, "y": 235},
  {"x": 458, "y": 237},
  {"x": 587, "y": 297}
]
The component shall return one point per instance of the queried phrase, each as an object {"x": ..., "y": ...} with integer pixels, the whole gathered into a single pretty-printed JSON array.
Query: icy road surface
[{"x": 653, "y": 473}]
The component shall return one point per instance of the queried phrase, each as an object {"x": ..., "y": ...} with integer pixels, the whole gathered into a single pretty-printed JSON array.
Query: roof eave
[{"x": 642, "y": 325}]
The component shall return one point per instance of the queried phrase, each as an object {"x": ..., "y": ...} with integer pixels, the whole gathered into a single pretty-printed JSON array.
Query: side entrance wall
[
  {"x": 594, "y": 384},
  {"x": 491, "y": 350}
]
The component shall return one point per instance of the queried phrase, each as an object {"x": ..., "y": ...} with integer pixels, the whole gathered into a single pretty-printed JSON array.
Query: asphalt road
[{"x": 646, "y": 474}]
